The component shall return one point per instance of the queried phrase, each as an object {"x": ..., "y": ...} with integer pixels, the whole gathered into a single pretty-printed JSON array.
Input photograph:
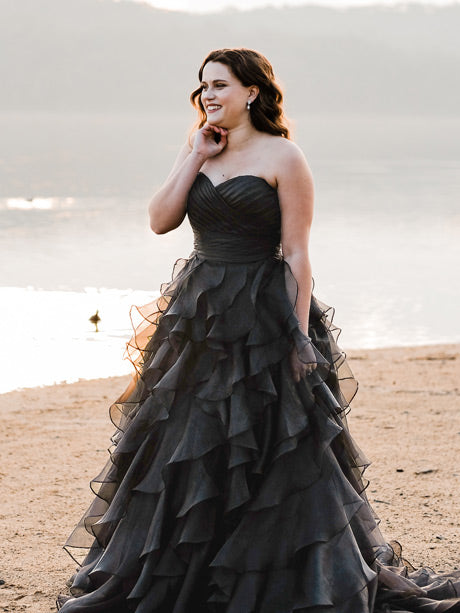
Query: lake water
[{"x": 384, "y": 250}]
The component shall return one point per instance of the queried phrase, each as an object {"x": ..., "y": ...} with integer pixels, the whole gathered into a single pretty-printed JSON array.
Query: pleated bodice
[{"x": 238, "y": 220}]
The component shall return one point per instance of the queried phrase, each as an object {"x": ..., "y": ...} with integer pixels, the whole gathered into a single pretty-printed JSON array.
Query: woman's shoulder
[
  {"x": 285, "y": 158},
  {"x": 290, "y": 149},
  {"x": 284, "y": 149}
]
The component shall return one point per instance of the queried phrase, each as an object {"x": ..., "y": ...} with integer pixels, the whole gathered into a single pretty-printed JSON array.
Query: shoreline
[
  {"x": 351, "y": 353},
  {"x": 405, "y": 417}
]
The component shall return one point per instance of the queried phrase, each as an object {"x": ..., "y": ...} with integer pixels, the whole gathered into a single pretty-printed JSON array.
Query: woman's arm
[
  {"x": 168, "y": 205},
  {"x": 296, "y": 196}
]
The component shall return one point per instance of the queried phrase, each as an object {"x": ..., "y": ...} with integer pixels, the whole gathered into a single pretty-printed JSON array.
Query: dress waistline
[{"x": 235, "y": 248}]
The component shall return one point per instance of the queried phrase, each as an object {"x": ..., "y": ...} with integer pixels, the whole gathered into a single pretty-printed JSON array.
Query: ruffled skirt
[{"x": 229, "y": 486}]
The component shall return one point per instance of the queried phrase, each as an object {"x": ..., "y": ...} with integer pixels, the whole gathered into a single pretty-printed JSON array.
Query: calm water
[{"x": 384, "y": 250}]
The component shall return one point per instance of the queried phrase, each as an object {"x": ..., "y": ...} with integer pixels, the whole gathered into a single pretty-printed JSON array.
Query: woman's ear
[{"x": 253, "y": 92}]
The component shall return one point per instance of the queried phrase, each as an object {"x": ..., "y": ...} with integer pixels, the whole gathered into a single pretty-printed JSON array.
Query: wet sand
[{"x": 53, "y": 440}]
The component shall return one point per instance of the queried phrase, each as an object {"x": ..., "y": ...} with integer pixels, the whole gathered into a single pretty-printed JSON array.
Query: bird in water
[{"x": 95, "y": 319}]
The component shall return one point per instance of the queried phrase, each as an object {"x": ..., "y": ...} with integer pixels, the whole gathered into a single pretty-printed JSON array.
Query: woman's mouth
[{"x": 212, "y": 108}]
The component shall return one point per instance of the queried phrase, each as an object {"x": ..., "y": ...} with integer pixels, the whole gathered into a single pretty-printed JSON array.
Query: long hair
[{"x": 250, "y": 68}]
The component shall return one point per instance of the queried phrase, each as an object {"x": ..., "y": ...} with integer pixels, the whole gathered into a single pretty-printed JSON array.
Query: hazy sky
[{"x": 204, "y": 6}]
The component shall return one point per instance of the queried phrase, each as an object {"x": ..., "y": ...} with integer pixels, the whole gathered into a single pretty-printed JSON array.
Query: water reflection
[
  {"x": 384, "y": 249},
  {"x": 41, "y": 204}
]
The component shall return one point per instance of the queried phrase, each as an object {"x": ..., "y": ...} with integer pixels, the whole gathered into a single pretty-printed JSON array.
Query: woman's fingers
[
  {"x": 301, "y": 369},
  {"x": 218, "y": 129},
  {"x": 223, "y": 139},
  {"x": 308, "y": 369},
  {"x": 206, "y": 141}
]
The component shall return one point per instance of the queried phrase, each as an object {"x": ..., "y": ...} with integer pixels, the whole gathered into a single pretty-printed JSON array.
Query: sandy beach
[{"x": 406, "y": 418}]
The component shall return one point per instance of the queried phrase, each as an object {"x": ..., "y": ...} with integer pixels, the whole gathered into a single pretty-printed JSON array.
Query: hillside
[{"x": 99, "y": 55}]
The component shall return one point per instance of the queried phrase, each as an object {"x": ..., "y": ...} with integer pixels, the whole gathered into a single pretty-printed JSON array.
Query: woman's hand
[
  {"x": 299, "y": 368},
  {"x": 205, "y": 143}
]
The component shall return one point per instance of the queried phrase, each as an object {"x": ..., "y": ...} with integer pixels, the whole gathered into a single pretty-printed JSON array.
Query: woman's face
[{"x": 224, "y": 97}]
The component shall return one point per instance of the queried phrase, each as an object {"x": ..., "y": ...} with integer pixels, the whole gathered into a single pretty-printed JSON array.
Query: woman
[{"x": 234, "y": 484}]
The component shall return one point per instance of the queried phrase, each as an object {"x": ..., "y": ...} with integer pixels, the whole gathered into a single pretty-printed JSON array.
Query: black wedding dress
[{"x": 231, "y": 488}]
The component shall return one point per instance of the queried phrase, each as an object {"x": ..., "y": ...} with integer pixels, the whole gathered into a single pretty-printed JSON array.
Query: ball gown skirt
[{"x": 230, "y": 487}]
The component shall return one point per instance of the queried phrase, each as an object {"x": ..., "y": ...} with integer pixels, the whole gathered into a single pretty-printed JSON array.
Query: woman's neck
[{"x": 239, "y": 137}]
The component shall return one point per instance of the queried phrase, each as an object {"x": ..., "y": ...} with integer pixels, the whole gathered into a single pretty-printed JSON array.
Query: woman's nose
[{"x": 208, "y": 94}]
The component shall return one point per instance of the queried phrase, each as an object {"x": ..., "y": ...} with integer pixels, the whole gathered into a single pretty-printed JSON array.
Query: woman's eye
[{"x": 216, "y": 85}]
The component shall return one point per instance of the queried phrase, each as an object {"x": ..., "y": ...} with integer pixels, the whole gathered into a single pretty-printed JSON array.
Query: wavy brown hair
[{"x": 250, "y": 68}]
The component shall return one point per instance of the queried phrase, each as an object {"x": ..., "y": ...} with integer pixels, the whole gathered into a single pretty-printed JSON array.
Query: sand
[{"x": 406, "y": 418}]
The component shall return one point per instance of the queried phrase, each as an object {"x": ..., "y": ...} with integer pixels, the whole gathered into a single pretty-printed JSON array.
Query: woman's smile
[{"x": 212, "y": 108}]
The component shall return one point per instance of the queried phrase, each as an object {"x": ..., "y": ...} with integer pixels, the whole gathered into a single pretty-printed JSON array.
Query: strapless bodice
[{"x": 238, "y": 220}]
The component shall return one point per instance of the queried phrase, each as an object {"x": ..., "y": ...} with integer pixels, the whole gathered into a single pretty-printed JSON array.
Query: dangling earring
[{"x": 248, "y": 106}]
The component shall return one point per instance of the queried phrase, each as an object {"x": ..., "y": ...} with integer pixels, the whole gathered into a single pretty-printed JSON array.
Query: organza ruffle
[{"x": 229, "y": 486}]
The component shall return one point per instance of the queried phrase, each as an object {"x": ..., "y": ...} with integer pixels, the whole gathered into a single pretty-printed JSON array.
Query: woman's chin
[{"x": 214, "y": 121}]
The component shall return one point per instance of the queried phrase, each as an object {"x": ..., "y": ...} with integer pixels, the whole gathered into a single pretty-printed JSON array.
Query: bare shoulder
[
  {"x": 288, "y": 161},
  {"x": 294, "y": 175},
  {"x": 291, "y": 161},
  {"x": 294, "y": 182}
]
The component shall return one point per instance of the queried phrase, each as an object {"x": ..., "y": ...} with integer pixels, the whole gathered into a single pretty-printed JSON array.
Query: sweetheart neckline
[{"x": 236, "y": 177}]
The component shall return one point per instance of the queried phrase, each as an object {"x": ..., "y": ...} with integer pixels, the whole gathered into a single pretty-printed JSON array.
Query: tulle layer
[{"x": 229, "y": 486}]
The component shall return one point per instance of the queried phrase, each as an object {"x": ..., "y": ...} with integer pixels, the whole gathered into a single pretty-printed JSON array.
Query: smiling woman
[
  {"x": 232, "y": 76},
  {"x": 234, "y": 484}
]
